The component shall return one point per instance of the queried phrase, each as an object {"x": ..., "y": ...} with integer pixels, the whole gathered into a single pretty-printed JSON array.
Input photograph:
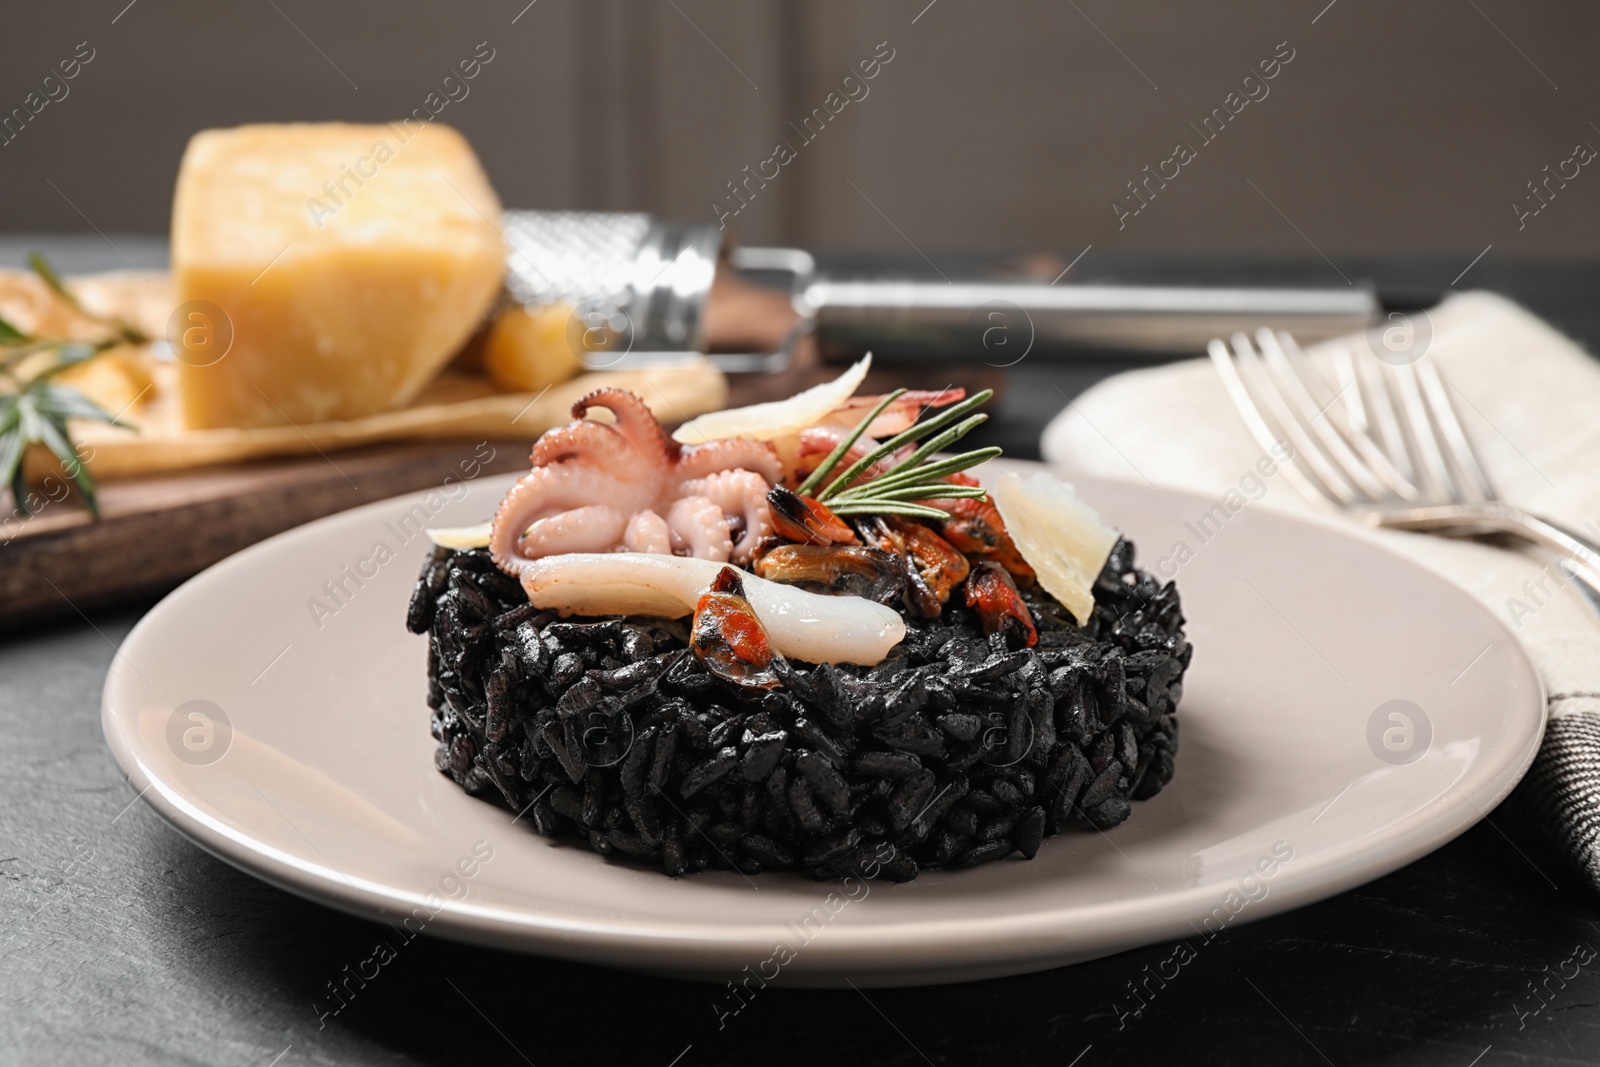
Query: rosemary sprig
[
  {"x": 918, "y": 477},
  {"x": 891, "y": 507},
  {"x": 34, "y": 409},
  {"x": 814, "y": 479},
  {"x": 931, "y": 490},
  {"x": 894, "y": 444},
  {"x": 125, "y": 331}
]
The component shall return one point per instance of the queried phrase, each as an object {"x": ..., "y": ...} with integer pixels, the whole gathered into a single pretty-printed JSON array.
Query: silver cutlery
[{"x": 1384, "y": 444}]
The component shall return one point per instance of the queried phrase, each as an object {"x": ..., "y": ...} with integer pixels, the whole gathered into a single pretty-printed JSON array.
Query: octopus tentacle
[
  {"x": 738, "y": 492},
  {"x": 702, "y": 527},
  {"x": 635, "y": 422},
  {"x": 598, "y": 487},
  {"x": 518, "y": 508},
  {"x": 579, "y": 440},
  {"x": 594, "y": 528},
  {"x": 729, "y": 453},
  {"x": 648, "y": 532},
  {"x": 542, "y": 492}
]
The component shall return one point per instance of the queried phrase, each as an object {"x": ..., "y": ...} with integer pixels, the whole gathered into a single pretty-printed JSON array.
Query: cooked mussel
[
  {"x": 728, "y": 638},
  {"x": 933, "y": 566},
  {"x": 841, "y": 570},
  {"x": 802, "y": 520},
  {"x": 976, "y": 528},
  {"x": 993, "y": 597}
]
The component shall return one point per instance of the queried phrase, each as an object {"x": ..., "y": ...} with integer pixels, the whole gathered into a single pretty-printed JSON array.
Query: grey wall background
[{"x": 1397, "y": 127}]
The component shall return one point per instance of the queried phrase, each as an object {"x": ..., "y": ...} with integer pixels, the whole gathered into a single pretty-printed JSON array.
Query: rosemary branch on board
[
  {"x": 918, "y": 477},
  {"x": 34, "y": 409}
]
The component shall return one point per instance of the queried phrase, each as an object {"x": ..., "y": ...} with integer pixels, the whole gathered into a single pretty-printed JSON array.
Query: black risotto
[{"x": 955, "y": 751}]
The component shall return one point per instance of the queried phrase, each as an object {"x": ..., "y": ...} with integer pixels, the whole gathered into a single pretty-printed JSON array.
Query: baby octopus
[{"x": 630, "y": 487}]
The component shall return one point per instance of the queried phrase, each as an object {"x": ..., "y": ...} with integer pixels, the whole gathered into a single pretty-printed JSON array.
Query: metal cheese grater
[
  {"x": 641, "y": 285},
  {"x": 638, "y": 284}
]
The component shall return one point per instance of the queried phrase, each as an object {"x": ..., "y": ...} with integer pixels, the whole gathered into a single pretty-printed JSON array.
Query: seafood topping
[
  {"x": 993, "y": 597},
  {"x": 933, "y": 567},
  {"x": 800, "y": 624},
  {"x": 828, "y": 526},
  {"x": 895, "y": 413},
  {"x": 803, "y": 520},
  {"x": 899, "y": 415},
  {"x": 599, "y": 488},
  {"x": 852, "y": 570},
  {"x": 976, "y": 528},
  {"x": 729, "y": 640}
]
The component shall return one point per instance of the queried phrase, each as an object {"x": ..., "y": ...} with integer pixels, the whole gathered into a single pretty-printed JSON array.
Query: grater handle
[{"x": 998, "y": 322}]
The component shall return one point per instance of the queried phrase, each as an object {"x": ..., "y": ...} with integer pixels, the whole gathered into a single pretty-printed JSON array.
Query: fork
[{"x": 1386, "y": 447}]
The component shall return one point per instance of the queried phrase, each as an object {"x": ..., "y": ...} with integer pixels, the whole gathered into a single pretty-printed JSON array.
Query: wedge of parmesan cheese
[
  {"x": 1060, "y": 536},
  {"x": 461, "y": 537},
  {"x": 326, "y": 271},
  {"x": 775, "y": 418}
]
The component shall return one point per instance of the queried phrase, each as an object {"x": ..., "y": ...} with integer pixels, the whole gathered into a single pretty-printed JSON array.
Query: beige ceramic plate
[{"x": 273, "y": 710}]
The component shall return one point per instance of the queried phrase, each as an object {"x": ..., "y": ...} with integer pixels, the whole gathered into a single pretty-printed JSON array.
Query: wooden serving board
[{"x": 156, "y": 531}]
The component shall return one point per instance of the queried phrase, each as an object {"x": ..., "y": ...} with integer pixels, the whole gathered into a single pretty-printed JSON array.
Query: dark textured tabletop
[{"x": 125, "y": 944}]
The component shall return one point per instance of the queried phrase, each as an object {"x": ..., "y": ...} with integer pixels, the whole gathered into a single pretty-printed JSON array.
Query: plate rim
[{"x": 895, "y": 955}]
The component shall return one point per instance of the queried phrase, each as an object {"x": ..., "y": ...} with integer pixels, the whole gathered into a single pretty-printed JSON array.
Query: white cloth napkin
[{"x": 1530, "y": 400}]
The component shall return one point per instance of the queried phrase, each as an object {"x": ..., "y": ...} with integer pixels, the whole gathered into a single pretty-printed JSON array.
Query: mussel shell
[
  {"x": 933, "y": 565},
  {"x": 839, "y": 570},
  {"x": 803, "y": 520},
  {"x": 728, "y": 638},
  {"x": 993, "y": 597}
]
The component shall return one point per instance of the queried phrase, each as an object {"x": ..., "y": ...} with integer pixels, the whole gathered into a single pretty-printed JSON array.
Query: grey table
[{"x": 124, "y": 944}]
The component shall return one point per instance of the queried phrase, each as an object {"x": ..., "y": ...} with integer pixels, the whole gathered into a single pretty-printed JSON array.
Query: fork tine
[
  {"x": 1376, "y": 390},
  {"x": 1476, "y": 486},
  {"x": 1309, "y": 394},
  {"x": 1296, "y": 426},
  {"x": 1295, "y": 384},
  {"x": 1362, "y": 459},
  {"x": 1253, "y": 418},
  {"x": 1350, "y": 387},
  {"x": 1250, "y": 383},
  {"x": 1414, "y": 419}
]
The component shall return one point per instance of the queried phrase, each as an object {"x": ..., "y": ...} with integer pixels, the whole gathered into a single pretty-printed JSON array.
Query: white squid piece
[{"x": 800, "y": 624}]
